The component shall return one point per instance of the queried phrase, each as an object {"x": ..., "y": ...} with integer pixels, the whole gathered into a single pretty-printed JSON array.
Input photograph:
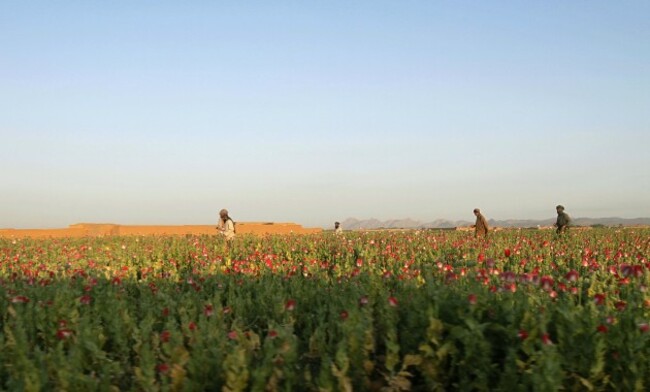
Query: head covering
[
  {"x": 559, "y": 206},
  {"x": 223, "y": 212},
  {"x": 477, "y": 210}
]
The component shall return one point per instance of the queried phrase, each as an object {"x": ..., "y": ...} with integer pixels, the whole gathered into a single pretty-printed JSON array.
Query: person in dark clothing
[
  {"x": 563, "y": 219},
  {"x": 481, "y": 226}
]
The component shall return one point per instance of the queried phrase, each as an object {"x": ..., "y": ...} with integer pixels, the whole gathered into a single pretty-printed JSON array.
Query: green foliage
[{"x": 414, "y": 310}]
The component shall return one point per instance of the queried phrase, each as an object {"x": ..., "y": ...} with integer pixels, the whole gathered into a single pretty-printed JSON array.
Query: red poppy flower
[
  {"x": 164, "y": 336},
  {"x": 85, "y": 299},
  {"x": 208, "y": 311},
  {"x": 192, "y": 326},
  {"x": 546, "y": 282},
  {"x": 507, "y": 252},
  {"x": 644, "y": 327},
  {"x": 165, "y": 312},
  {"x": 19, "y": 299},
  {"x": 599, "y": 299},
  {"x": 232, "y": 335},
  {"x": 522, "y": 334},
  {"x": 572, "y": 276},
  {"x": 392, "y": 301},
  {"x": 344, "y": 315},
  {"x": 546, "y": 339},
  {"x": 363, "y": 301},
  {"x": 162, "y": 368},
  {"x": 471, "y": 299},
  {"x": 620, "y": 305},
  {"x": 632, "y": 270},
  {"x": 602, "y": 328},
  {"x": 63, "y": 334},
  {"x": 290, "y": 305},
  {"x": 273, "y": 334}
]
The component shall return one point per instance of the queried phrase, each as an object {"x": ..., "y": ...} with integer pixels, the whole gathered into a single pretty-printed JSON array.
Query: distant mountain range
[{"x": 354, "y": 224}]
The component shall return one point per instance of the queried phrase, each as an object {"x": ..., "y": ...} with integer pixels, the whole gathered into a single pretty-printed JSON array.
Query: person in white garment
[{"x": 226, "y": 226}]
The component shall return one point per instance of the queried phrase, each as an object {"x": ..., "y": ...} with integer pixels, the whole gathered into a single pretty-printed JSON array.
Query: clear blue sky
[{"x": 147, "y": 112}]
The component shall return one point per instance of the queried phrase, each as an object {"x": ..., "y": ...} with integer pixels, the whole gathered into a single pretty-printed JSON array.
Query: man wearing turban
[{"x": 563, "y": 219}]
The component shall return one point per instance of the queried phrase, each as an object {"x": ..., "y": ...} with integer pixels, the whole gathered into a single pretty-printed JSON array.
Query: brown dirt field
[{"x": 95, "y": 230}]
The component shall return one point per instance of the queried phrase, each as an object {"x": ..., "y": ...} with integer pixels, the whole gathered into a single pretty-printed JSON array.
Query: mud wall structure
[{"x": 98, "y": 230}]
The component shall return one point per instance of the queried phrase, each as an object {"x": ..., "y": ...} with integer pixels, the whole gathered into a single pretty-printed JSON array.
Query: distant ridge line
[{"x": 355, "y": 224}]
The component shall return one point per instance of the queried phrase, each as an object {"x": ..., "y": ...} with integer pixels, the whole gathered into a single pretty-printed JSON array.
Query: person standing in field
[
  {"x": 563, "y": 219},
  {"x": 481, "y": 225},
  {"x": 226, "y": 225},
  {"x": 337, "y": 228}
]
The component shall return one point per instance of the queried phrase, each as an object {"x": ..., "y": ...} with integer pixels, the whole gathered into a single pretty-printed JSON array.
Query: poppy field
[{"x": 363, "y": 311}]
